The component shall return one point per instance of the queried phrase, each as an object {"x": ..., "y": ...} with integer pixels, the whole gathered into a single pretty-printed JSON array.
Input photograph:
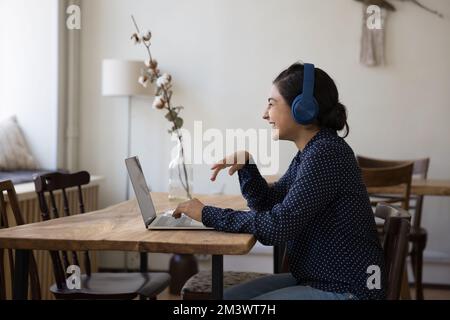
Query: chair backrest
[
  {"x": 398, "y": 175},
  {"x": 8, "y": 187},
  {"x": 50, "y": 184},
  {"x": 420, "y": 171},
  {"x": 395, "y": 245},
  {"x": 366, "y": 162}
]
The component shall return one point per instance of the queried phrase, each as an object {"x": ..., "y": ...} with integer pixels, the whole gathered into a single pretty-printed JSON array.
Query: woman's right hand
[{"x": 235, "y": 162}]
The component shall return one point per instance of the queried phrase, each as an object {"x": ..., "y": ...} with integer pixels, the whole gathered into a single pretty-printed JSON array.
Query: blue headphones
[{"x": 305, "y": 107}]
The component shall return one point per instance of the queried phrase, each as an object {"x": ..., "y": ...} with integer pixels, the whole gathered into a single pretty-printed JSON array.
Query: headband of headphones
[{"x": 308, "y": 81}]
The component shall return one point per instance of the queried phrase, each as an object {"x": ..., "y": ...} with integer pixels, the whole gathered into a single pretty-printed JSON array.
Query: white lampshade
[{"x": 120, "y": 78}]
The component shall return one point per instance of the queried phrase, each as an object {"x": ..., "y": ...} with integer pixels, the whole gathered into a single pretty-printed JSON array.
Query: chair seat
[
  {"x": 116, "y": 286},
  {"x": 198, "y": 287}
]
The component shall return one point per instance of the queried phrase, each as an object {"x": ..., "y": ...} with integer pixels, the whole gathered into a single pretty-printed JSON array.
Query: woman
[{"x": 319, "y": 209}]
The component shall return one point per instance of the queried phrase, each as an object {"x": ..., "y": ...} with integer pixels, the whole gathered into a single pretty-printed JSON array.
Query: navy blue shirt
[{"x": 319, "y": 208}]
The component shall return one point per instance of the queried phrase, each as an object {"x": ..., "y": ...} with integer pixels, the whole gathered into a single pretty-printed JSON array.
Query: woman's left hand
[{"x": 192, "y": 209}]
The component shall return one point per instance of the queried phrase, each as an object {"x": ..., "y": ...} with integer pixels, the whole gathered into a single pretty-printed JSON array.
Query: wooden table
[
  {"x": 428, "y": 187},
  {"x": 121, "y": 228}
]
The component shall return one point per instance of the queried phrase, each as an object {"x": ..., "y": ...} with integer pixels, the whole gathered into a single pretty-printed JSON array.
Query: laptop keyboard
[{"x": 169, "y": 221}]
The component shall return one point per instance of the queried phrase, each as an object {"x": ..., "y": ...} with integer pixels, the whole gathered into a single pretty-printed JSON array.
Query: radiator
[{"x": 29, "y": 207}]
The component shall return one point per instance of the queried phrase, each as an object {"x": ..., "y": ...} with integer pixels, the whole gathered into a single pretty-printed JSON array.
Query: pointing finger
[{"x": 215, "y": 173}]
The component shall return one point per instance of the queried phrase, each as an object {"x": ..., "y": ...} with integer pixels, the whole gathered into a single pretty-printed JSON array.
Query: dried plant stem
[
  {"x": 416, "y": 2},
  {"x": 167, "y": 97},
  {"x": 138, "y": 31}
]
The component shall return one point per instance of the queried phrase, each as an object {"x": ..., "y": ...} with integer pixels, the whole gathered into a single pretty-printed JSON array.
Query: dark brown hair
[{"x": 332, "y": 113}]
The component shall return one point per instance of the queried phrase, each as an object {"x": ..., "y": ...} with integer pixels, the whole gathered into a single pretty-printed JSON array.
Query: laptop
[{"x": 153, "y": 221}]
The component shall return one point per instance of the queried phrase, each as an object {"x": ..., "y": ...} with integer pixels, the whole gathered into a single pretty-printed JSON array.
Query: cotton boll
[
  {"x": 159, "y": 103},
  {"x": 146, "y": 36},
  {"x": 162, "y": 82},
  {"x": 135, "y": 38},
  {"x": 143, "y": 80}
]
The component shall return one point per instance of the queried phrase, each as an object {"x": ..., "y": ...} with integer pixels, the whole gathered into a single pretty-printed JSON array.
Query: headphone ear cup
[{"x": 304, "y": 111}]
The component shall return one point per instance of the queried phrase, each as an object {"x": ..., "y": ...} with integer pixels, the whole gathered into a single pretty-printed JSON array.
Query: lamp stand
[
  {"x": 127, "y": 191},
  {"x": 143, "y": 255}
]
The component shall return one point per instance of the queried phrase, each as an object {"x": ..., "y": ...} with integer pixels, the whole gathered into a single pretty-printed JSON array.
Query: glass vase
[{"x": 180, "y": 176}]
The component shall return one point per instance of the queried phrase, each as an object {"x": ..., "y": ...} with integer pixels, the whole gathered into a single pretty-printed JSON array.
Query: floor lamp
[{"x": 120, "y": 79}]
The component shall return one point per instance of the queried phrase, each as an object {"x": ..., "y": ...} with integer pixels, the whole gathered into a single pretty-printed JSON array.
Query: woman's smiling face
[{"x": 279, "y": 115}]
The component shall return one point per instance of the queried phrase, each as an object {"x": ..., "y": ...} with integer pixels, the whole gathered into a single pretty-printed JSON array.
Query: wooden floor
[
  {"x": 167, "y": 296},
  {"x": 429, "y": 293},
  {"x": 436, "y": 294}
]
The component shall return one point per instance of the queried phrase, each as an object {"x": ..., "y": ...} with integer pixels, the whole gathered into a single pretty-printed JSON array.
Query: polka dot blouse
[{"x": 321, "y": 210}]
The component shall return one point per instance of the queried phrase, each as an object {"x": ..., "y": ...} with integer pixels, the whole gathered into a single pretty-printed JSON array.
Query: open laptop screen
[{"x": 141, "y": 189}]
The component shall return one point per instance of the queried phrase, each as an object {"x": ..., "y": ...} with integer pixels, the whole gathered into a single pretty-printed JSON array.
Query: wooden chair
[
  {"x": 7, "y": 186},
  {"x": 395, "y": 246},
  {"x": 418, "y": 235},
  {"x": 93, "y": 285},
  {"x": 397, "y": 175}
]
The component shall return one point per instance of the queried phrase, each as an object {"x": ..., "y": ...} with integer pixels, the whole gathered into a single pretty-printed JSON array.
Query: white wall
[
  {"x": 223, "y": 56},
  {"x": 28, "y": 72}
]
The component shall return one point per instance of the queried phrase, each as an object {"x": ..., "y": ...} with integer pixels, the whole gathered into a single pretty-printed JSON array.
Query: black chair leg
[
  {"x": 413, "y": 257},
  {"x": 418, "y": 275},
  {"x": 417, "y": 266},
  {"x": 422, "y": 245}
]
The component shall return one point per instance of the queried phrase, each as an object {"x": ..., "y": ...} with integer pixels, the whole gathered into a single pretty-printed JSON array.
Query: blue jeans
[{"x": 280, "y": 287}]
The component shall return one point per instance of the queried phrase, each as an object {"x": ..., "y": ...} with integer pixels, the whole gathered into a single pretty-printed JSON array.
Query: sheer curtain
[
  {"x": 28, "y": 73},
  {"x": 39, "y": 77}
]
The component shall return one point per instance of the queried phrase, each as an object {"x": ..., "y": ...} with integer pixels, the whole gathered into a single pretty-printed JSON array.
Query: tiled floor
[{"x": 430, "y": 294}]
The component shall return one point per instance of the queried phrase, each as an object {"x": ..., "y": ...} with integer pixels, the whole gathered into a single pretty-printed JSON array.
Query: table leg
[
  {"x": 143, "y": 258},
  {"x": 143, "y": 262},
  {"x": 277, "y": 257},
  {"x": 217, "y": 277},
  {"x": 20, "y": 281}
]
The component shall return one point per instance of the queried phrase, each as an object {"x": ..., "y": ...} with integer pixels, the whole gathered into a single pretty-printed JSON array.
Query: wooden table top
[
  {"x": 121, "y": 228},
  {"x": 428, "y": 187}
]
